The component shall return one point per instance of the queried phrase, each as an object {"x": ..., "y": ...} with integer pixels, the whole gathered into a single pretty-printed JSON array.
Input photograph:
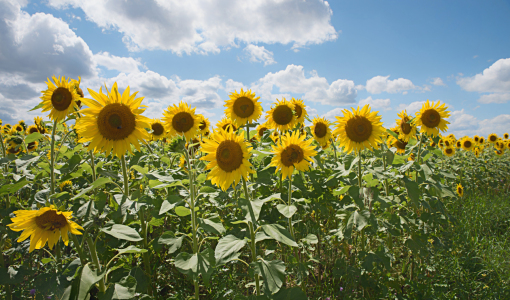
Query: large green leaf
[
  {"x": 123, "y": 232},
  {"x": 124, "y": 290},
  {"x": 279, "y": 233},
  {"x": 99, "y": 182},
  {"x": 413, "y": 191},
  {"x": 287, "y": 210},
  {"x": 227, "y": 249},
  {"x": 131, "y": 249},
  {"x": 14, "y": 187},
  {"x": 88, "y": 278},
  {"x": 168, "y": 238},
  {"x": 273, "y": 273},
  {"x": 195, "y": 264},
  {"x": 252, "y": 209},
  {"x": 211, "y": 226}
]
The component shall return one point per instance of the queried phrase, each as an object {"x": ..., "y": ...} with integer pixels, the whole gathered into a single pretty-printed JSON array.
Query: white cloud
[
  {"x": 330, "y": 115},
  {"x": 379, "y": 84},
  {"x": 259, "y": 54},
  {"x": 495, "y": 98},
  {"x": 411, "y": 108},
  {"x": 121, "y": 64},
  {"x": 314, "y": 88},
  {"x": 438, "y": 81},
  {"x": 462, "y": 124},
  {"x": 383, "y": 104},
  {"x": 232, "y": 86},
  {"x": 205, "y": 26}
]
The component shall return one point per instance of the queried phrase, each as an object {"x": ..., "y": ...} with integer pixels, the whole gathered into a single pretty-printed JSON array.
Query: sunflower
[
  {"x": 183, "y": 164},
  {"x": 505, "y": 135},
  {"x": 204, "y": 124},
  {"x": 492, "y": 138},
  {"x": 499, "y": 152},
  {"x": 508, "y": 144},
  {"x": 261, "y": 129},
  {"x": 47, "y": 224},
  {"x": 228, "y": 155},
  {"x": 32, "y": 146},
  {"x": 13, "y": 149},
  {"x": 6, "y": 129},
  {"x": 433, "y": 144},
  {"x": 292, "y": 153},
  {"x": 449, "y": 151},
  {"x": 460, "y": 190},
  {"x": 281, "y": 117},
  {"x": 432, "y": 117},
  {"x": 79, "y": 91},
  {"x": 275, "y": 136},
  {"x": 157, "y": 129},
  {"x": 64, "y": 184},
  {"x": 500, "y": 145},
  {"x": 226, "y": 124},
  {"x": 60, "y": 98},
  {"x": 467, "y": 143},
  {"x": 452, "y": 137},
  {"x": 181, "y": 120},
  {"x": 481, "y": 140},
  {"x": 359, "y": 129},
  {"x": 406, "y": 128},
  {"x": 17, "y": 129},
  {"x": 458, "y": 144},
  {"x": 113, "y": 122},
  {"x": 448, "y": 143},
  {"x": 23, "y": 124},
  {"x": 31, "y": 129},
  {"x": 299, "y": 110},
  {"x": 476, "y": 139},
  {"x": 320, "y": 130},
  {"x": 325, "y": 145},
  {"x": 243, "y": 107},
  {"x": 411, "y": 157},
  {"x": 397, "y": 143},
  {"x": 477, "y": 151}
]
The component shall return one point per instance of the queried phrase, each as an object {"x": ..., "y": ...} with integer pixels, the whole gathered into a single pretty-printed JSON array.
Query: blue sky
[{"x": 334, "y": 55}]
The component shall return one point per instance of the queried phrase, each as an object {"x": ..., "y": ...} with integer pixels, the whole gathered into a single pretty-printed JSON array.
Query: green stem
[
  {"x": 386, "y": 187},
  {"x": 193, "y": 216},
  {"x": 52, "y": 159},
  {"x": 252, "y": 237},
  {"x": 95, "y": 259},
  {"x": 419, "y": 154},
  {"x": 291, "y": 228},
  {"x": 359, "y": 170},
  {"x": 125, "y": 174},
  {"x": 79, "y": 249},
  {"x": 92, "y": 162},
  {"x": 146, "y": 258},
  {"x": 334, "y": 150},
  {"x": 58, "y": 256}
]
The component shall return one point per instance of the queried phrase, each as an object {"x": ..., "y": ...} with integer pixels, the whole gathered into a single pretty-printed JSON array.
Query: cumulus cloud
[
  {"x": 232, "y": 85},
  {"x": 383, "y": 104},
  {"x": 379, "y": 84},
  {"x": 411, "y": 108},
  {"x": 259, "y": 54},
  {"x": 437, "y": 81},
  {"x": 495, "y": 80},
  {"x": 330, "y": 115},
  {"x": 314, "y": 88},
  {"x": 121, "y": 64},
  {"x": 462, "y": 124},
  {"x": 205, "y": 26}
]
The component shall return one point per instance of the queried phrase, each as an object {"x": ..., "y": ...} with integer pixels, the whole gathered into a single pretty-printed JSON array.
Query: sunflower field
[{"x": 102, "y": 202}]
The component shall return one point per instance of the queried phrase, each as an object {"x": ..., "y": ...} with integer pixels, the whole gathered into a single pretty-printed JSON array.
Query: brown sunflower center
[
  {"x": 320, "y": 130},
  {"x": 203, "y": 125},
  {"x": 460, "y": 190},
  {"x": 157, "y": 129},
  {"x": 467, "y": 144},
  {"x": 61, "y": 98},
  {"x": 19, "y": 128},
  {"x": 493, "y": 138},
  {"x": 51, "y": 221},
  {"x": 244, "y": 107},
  {"x": 229, "y": 155},
  {"x": 477, "y": 139},
  {"x": 32, "y": 130},
  {"x": 430, "y": 118},
  {"x": 116, "y": 121},
  {"x": 358, "y": 129},
  {"x": 449, "y": 150},
  {"x": 282, "y": 115},
  {"x": 298, "y": 110},
  {"x": 404, "y": 126},
  {"x": 182, "y": 122},
  {"x": 400, "y": 145},
  {"x": 291, "y": 155},
  {"x": 31, "y": 146},
  {"x": 13, "y": 150},
  {"x": 261, "y": 131},
  {"x": 505, "y": 136}
]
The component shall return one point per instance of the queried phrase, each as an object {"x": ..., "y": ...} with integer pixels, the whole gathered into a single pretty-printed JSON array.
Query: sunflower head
[
  {"x": 113, "y": 121},
  {"x": 432, "y": 118},
  {"x": 17, "y": 129},
  {"x": 467, "y": 143},
  {"x": 321, "y": 130},
  {"x": 182, "y": 163},
  {"x": 451, "y": 137},
  {"x": 492, "y": 138},
  {"x": 505, "y": 135},
  {"x": 243, "y": 107},
  {"x": 204, "y": 124},
  {"x": 294, "y": 152},
  {"x": 433, "y": 144},
  {"x": 359, "y": 129},
  {"x": 31, "y": 129},
  {"x": 449, "y": 151},
  {"x": 45, "y": 225},
  {"x": 477, "y": 151},
  {"x": 406, "y": 128},
  {"x": 281, "y": 116},
  {"x": 157, "y": 129},
  {"x": 460, "y": 190},
  {"x": 458, "y": 144},
  {"x": 64, "y": 184},
  {"x": 13, "y": 149},
  {"x": 60, "y": 98},
  {"x": 476, "y": 139},
  {"x": 181, "y": 120},
  {"x": 500, "y": 145},
  {"x": 499, "y": 152},
  {"x": 32, "y": 146},
  {"x": 261, "y": 129},
  {"x": 299, "y": 110},
  {"x": 228, "y": 155},
  {"x": 226, "y": 124}
]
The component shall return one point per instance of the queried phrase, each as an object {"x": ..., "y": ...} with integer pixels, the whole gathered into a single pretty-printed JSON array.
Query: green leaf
[
  {"x": 211, "y": 226},
  {"x": 13, "y": 275},
  {"x": 252, "y": 208},
  {"x": 168, "y": 238},
  {"x": 140, "y": 169},
  {"x": 182, "y": 211},
  {"x": 413, "y": 190},
  {"x": 341, "y": 191},
  {"x": 24, "y": 162},
  {"x": 287, "y": 210},
  {"x": 71, "y": 164},
  {"x": 33, "y": 137},
  {"x": 208, "y": 190},
  {"x": 124, "y": 290},
  {"x": 131, "y": 249},
  {"x": 142, "y": 281},
  {"x": 311, "y": 239},
  {"x": 279, "y": 233},
  {"x": 88, "y": 278},
  {"x": 99, "y": 182},
  {"x": 13, "y": 187},
  {"x": 169, "y": 204},
  {"x": 273, "y": 273},
  {"x": 194, "y": 264},
  {"x": 228, "y": 248},
  {"x": 123, "y": 232},
  {"x": 294, "y": 293}
]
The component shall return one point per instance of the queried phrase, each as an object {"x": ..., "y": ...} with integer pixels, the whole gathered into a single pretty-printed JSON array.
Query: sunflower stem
[
  {"x": 52, "y": 159},
  {"x": 252, "y": 237},
  {"x": 386, "y": 187},
  {"x": 93, "y": 165},
  {"x": 193, "y": 214},
  {"x": 359, "y": 171},
  {"x": 334, "y": 150},
  {"x": 79, "y": 249},
  {"x": 419, "y": 155},
  {"x": 125, "y": 174},
  {"x": 146, "y": 258},
  {"x": 95, "y": 259}
]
